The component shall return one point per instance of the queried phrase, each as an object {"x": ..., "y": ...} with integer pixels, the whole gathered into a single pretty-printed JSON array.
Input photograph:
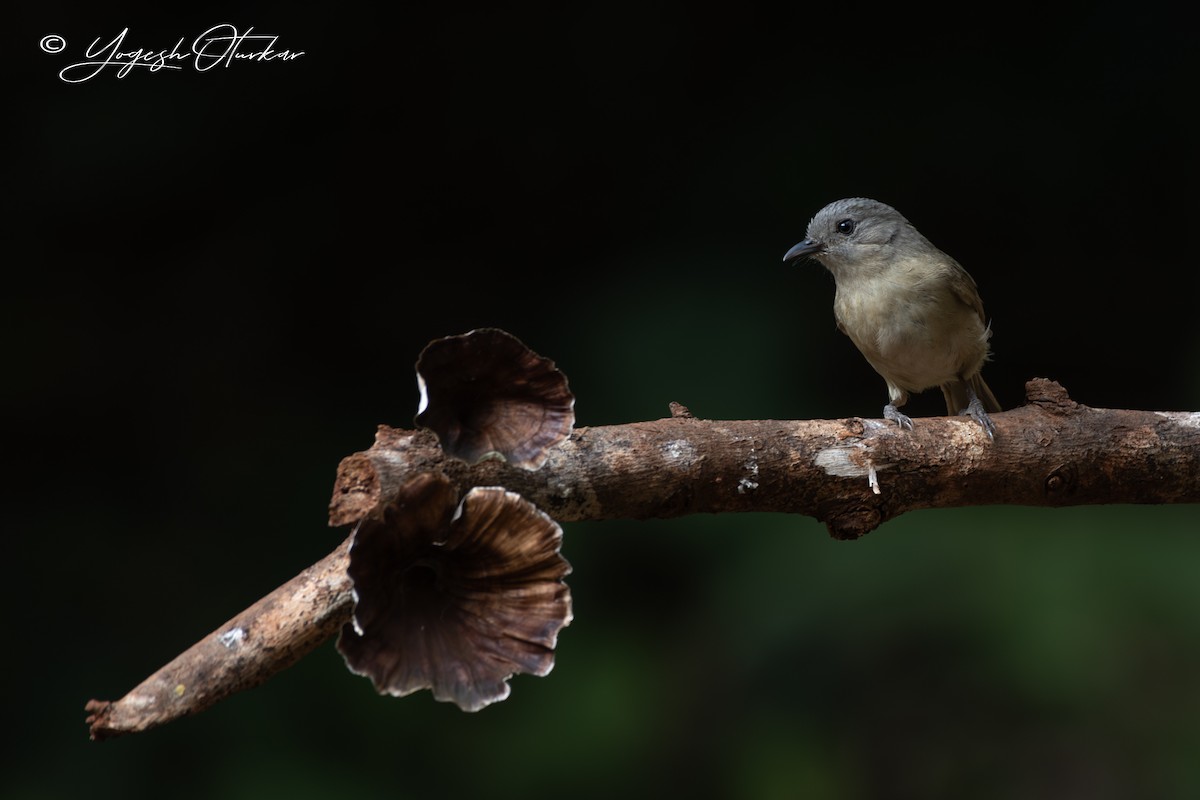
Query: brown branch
[
  {"x": 853, "y": 474},
  {"x": 270, "y": 635}
]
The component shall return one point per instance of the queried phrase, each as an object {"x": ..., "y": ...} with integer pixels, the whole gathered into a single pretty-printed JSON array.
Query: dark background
[{"x": 218, "y": 284}]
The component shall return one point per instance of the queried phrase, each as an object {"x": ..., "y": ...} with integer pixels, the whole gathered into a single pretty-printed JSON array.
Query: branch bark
[
  {"x": 267, "y": 637},
  {"x": 853, "y": 474}
]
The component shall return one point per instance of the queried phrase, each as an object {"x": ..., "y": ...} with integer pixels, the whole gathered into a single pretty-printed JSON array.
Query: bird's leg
[
  {"x": 975, "y": 411},
  {"x": 898, "y": 397}
]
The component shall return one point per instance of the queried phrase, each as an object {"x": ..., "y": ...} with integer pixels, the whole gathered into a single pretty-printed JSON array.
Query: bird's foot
[
  {"x": 903, "y": 420},
  {"x": 975, "y": 411}
]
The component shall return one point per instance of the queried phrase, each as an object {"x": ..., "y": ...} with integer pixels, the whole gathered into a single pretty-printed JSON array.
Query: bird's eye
[{"x": 846, "y": 227}]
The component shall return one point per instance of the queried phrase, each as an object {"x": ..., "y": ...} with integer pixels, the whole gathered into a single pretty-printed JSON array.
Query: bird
[{"x": 911, "y": 310}]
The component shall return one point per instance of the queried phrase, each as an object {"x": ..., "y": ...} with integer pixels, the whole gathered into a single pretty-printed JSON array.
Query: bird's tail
[{"x": 957, "y": 396}]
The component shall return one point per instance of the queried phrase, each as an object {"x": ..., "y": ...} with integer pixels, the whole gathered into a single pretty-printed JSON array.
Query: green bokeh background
[{"x": 223, "y": 279}]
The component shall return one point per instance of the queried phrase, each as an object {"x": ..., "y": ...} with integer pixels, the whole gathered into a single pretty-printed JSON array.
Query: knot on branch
[
  {"x": 679, "y": 411},
  {"x": 852, "y": 522},
  {"x": 1060, "y": 484},
  {"x": 356, "y": 492},
  {"x": 1050, "y": 396}
]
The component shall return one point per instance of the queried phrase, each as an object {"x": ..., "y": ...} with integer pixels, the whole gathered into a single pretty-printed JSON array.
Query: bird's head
[{"x": 854, "y": 235}]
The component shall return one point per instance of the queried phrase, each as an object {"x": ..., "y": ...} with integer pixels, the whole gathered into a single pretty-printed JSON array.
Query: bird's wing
[{"x": 963, "y": 286}]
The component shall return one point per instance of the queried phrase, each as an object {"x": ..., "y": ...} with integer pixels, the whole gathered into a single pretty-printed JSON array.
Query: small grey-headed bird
[{"x": 910, "y": 308}]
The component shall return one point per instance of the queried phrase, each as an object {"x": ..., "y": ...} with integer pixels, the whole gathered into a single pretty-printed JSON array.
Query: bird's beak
[{"x": 805, "y": 248}]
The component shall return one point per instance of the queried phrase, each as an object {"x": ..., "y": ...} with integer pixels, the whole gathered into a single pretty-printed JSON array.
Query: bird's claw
[
  {"x": 975, "y": 411},
  {"x": 903, "y": 420}
]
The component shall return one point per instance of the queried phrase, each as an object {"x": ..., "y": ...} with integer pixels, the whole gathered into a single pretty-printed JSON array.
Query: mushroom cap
[
  {"x": 486, "y": 395},
  {"x": 455, "y": 597}
]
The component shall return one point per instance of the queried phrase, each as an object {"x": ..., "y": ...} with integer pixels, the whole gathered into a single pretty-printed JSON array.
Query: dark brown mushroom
[
  {"x": 455, "y": 597},
  {"x": 486, "y": 394}
]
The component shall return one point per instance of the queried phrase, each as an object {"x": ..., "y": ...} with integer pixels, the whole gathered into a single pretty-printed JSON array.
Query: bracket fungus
[
  {"x": 485, "y": 394},
  {"x": 456, "y": 597}
]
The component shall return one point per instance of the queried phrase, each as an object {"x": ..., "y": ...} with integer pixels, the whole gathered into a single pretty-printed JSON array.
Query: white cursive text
[{"x": 220, "y": 44}]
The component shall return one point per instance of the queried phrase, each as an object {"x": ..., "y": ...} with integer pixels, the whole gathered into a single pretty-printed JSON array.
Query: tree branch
[
  {"x": 853, "y": 474},
  {"x": 267, "y": 637}
]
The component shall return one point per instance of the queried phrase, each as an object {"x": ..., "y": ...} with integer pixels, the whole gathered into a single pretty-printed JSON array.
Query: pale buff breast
[{"x": 899, "y": 329}]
